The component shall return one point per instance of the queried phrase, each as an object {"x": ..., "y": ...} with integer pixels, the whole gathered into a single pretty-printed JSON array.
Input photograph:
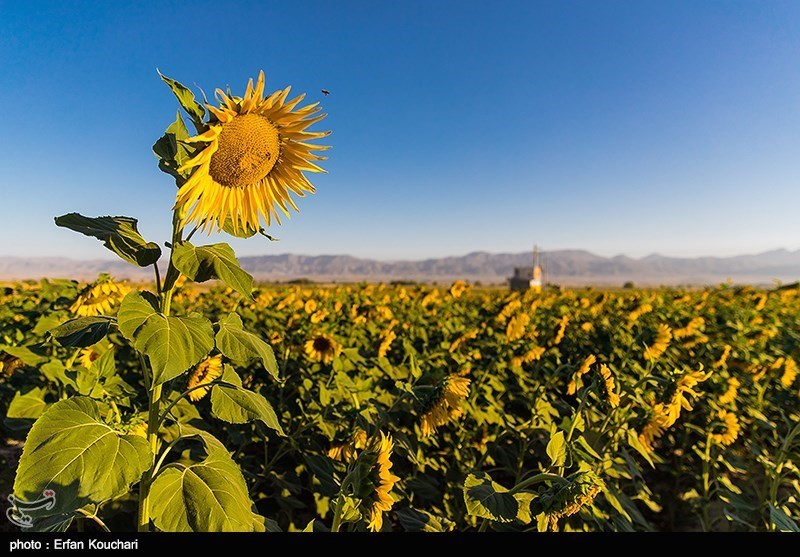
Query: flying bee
[{"x": 326, "y": 92}]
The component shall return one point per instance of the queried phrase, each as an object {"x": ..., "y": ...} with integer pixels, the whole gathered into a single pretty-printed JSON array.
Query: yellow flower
[
  {"x": 319, "y": 315},
  {"x": 610, "y": 387},
  {"x": 533, "y": 354},
  {"x": 253, "y": 154},
  {"x": 348, "y": 451},
  {"x": 588, "y": 362},
  {"x": 310, "y": 306},
  {"x": 205, "y": 372},
  {"x": 516, "y": 326},
  {"x": 731, "y": 427},
  {"x": 730, "y": 393},
  {"x": 99, "y": 298},
  {"x": 761, "y": 301},
  {"x": 382, "y": 479},
  {"x": 458, "y": 288},
  {"x": 87, "y": 356},
  {"x": 561, "y": 500},
  {"x": 690, "y": 329},
  {"x": 386, "y": 343},
  {"x": 724, "y": 357},
  {"x": 634, "y": 316},
  {"x": 660, "y": 343},
  {"x": 587, "y": 327},
  {"x": 445, "y": 404},
  {"x": 562, "y": 327},
  {"x": 322, "y": 348},
  {"x": 508, "y": 310},
  {"x": 789, "y": 372}
]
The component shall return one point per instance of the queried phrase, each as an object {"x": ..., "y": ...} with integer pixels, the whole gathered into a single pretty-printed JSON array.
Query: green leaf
[
  {"x": 173, "y": 344},
  {"x": 487, "y": 499},
  {"x": 414, "y": 520},
  {"x": 186, "y": 98},
  {"x": 633, "y": 441},
  {"x": 557, "y": 449},
  {"x": 119, "y": 234},
  {"x": 172, "y": 150},
  {"x": 217, "y": 261},
  {"x": 234, "y": 404},
  {"x": 322, "y": 468},
  {"x": 782, "y": 521},
  {"x": 71, "y": 451},
  {"x": 24, "y": 353},
  {"x": 25, "y": 408},
  {"x": 45, "y": 323},
  {"x": 207, "y": 496},
  {"x": 242, "y": 346},
  {"x": 81, "y": 331}
]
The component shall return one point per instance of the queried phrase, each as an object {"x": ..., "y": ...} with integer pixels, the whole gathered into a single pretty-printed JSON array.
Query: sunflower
[
  {"x": 723, "y": 357},
  {"x": 87, "y": 356},
  {"x": 609, "y": 387},
  {"x": 253, "y": 155},
  {"x": 789, "y": 372},
  {"x": 566, "y": 499},
  {"x": 458, "y": 288},
  {"x": 562, "y": 327},
  {"x": 516, "y": 326},
  {"x": 730, "y": 393},
  {"x": 100, "y": 297},
  {"x": 347, "y": 451},
  {"x": 634, "y": 316},
  {"x": 660, "y": 343},
  {"x": 445, "y": 404},
  {"x": 205, "y": 372},
  {"x": 322, "y": 348},
  {"x": 587, "y": 363},
  {"x": 375, "y": 488},
  {"x": 386, "y": 343},
  {"x": 731, "y": 427}
]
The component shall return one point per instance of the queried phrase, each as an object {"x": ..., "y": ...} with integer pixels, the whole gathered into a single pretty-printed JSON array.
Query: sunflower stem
[{"x": 154, "y": 392}]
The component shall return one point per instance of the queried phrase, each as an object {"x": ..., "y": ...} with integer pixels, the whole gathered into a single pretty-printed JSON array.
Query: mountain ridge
[{"x": 571, "y": 266}]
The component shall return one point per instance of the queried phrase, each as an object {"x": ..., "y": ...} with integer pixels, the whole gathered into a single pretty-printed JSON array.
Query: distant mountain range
[{"x": 569, "y": 267}]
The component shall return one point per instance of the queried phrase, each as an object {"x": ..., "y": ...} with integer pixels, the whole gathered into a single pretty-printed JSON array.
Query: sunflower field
[
  {"x": 203, "y": 402},
  {"x": 410, "y": 407}
]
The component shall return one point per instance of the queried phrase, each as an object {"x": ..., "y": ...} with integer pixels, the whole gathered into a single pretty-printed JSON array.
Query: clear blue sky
[{"x": 618, "y": 127}]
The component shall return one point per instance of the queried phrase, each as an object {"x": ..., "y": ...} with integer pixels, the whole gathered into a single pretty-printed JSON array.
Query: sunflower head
[
  {"x": 322, "y": 348},
  {"x": 102, "y": 297},
  {"x": 728, "y": 428},
  {"x": 566, "y": 499},
  {"x": 444, "y": 403},
  {"x": 205, "y": 372},
  {"x": 374, "y": 480},
  {"x": 252, "y": 155}
]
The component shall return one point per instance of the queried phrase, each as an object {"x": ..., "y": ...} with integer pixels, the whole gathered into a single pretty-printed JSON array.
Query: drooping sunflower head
[
  {"x": 608, "y": 390},
  {"x": 101, "y": 297},
  {"x": 728, "y": 429},
  {"x": 375, "y": 480},
  {"x": 251, "y": 157},
  {"x": 444, "y": 404},
  {"x": 205, "y": 372},
  {"x": 566, "y": 499},
  {"x": 322, "y": 348}
]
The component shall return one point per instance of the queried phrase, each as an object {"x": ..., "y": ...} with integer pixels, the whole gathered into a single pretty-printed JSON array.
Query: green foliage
[
  {"x": 216, "y": 261},
  {"x": 172, "y": 344},
  {"x": 119, "y": 234},
  {"x": 72, "y": 451}
]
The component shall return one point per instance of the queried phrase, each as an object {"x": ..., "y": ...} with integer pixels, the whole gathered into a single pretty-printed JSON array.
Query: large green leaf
[
  {"x": 81, "y": 331},
  {"x": 171, "y": 149},
  {"x": 186, "y": 99},
  {"x": 173, "y": 344},
  {"x": 72, "y": 452},
  {"x": 242, "y": 346},
  {"x": 217, "y": 261},
  {"x": 487, "y": 499},
  {"x": 25, "y": 408},
  {"x": 234, "y": 404},
  {"x": 119, "y": 234},
  {"x": 207, "y": 496}
]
